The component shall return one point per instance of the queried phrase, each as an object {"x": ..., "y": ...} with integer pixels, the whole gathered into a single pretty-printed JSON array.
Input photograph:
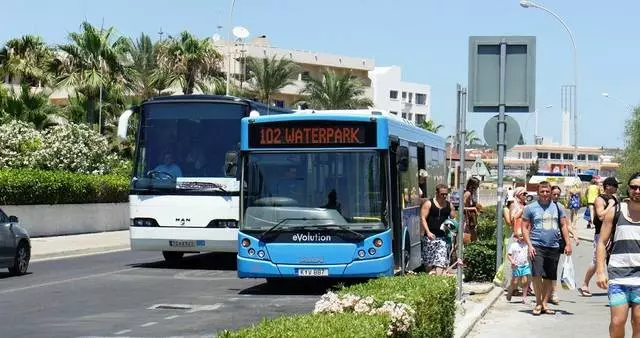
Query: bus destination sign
[{"x": 312, "y": 134}]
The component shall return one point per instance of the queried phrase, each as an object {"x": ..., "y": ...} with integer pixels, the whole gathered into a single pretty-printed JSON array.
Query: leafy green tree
[
  {"x": 267, "y": 76},
  {"x": 27, "y": 58},
  {"x": 335, "y": 91},
  {"x": 630, "y": 159},
  {"x": 431, "y": 126}
]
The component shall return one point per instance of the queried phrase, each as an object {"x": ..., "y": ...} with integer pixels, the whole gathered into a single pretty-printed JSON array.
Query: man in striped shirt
[{"x": 623, "y": 281}]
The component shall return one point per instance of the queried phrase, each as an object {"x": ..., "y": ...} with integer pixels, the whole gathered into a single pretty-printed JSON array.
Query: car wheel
[
  {"x": 172, "y": 257},
  {"x": 21, "y": 260}
]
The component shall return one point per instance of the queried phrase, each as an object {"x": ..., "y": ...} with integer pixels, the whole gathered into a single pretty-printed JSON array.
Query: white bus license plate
[
  {"x": 313, "y": 272},
  {"x": 182, "y": 244}
]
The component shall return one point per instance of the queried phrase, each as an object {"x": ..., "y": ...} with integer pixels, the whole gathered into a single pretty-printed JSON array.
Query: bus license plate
[
  {"x": 313, "y": 272},
  {"x": 182, "y": 244}
]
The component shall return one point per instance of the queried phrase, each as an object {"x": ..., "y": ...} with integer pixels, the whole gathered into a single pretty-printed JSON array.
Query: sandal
[
  {"x": 537, "y": 310},
  {"x": 548, "y": 311},
  {"x": 554, "y": 300},
  {"x": 584, "y": 292}
]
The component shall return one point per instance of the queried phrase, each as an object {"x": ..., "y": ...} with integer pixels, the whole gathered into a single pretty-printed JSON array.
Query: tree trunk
[{"x": 91, "y": 110}]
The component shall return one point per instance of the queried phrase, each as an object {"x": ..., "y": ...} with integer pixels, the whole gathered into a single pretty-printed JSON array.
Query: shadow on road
[
  {"x": 4, "y": 275},
  {"x": 207, "y": 261},
  {"x": 298, "y": 286}
]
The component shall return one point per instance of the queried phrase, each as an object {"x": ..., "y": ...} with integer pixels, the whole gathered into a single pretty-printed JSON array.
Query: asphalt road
[{"x": 135, "y": 294}]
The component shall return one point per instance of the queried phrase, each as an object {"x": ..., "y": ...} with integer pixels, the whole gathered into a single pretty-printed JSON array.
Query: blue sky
[{"x": 428, "y": 39}]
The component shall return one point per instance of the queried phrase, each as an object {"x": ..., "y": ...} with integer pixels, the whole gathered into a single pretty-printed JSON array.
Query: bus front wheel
[{"x": 172, "y": 257}]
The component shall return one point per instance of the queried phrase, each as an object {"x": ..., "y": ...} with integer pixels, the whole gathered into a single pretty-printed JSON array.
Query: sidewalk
[{"x": 43, "y": 248}]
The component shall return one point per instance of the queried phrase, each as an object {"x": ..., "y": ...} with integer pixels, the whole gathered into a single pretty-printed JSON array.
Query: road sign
[
  {"x": 512, "y": 136},
  {"x": 485, "y": 68}
]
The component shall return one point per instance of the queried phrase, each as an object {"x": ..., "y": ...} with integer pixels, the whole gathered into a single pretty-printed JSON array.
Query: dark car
[{"x": 15, "y": 245}]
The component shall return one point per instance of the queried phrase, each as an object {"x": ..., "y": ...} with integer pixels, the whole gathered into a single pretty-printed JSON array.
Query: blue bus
[{"x": 333, "y": 194}]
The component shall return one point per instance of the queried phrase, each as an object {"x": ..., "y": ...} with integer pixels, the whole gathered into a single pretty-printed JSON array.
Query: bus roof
[
  {"x": 402, "y": 128},
  {"x": 254, "y": 105}
]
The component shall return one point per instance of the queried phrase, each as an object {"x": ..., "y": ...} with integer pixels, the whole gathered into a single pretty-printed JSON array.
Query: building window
[
  {"x": 593, "y": 157},
  {"x": 526, "y": 155},
  {"x": 394, "y": 112},
  {"x": 421, "y": 98},
  {"x": 410, "y": 97},
  {"x": 305, "y": 76},
  {"x": 543, "y": 155},
  {"x": 567, "y": 156},
  {"x": 419, "y": 118},
  {"x": 582, "y": 157},
  {"x": 404, "y": 96},
  {"x": 404, "y": 115},
  {"x": 409, "y": 116},
  {"x": 555, "y": 156},
  {"x": 393, "y": 94}
]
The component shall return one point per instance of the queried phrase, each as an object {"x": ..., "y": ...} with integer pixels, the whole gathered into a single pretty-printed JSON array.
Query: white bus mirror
[{"x": 123, "y": 124}]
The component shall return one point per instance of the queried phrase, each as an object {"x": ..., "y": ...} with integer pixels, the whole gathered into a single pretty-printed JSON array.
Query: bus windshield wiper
[
  {"x": 284, "y": 220},
  {"x": 341, "y": 227}
]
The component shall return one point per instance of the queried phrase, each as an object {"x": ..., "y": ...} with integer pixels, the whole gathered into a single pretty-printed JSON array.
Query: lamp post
[
  {"x": 531, "y": 4},
  {"x": 626, "y": 105},
  {"x": 535, "y": 114},
  {"x": 233, "y": 2}
]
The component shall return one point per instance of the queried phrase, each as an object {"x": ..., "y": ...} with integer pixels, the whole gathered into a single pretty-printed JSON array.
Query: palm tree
[
  {"x": 92, "y": 62},
  {"x": 148, "y": 81},
  {"x": 31, "y": 106},
  {"x": 472, "y": 137},
  {"x": 431, "y": 126},
  {"x": 28, "y": 58},
  {"x": 335, "y": 92},
  {"x": 267, "y": 76},
  {"x": 187, "y": 61}
]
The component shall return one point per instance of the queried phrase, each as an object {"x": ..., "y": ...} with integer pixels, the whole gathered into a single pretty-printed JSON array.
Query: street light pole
[
  {"x": 531, "y": 4},
  {"x": 626, "y": 105},
  {"x": 233, "y": 2}
]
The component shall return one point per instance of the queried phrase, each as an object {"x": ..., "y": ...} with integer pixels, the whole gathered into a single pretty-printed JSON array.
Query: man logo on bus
[
  {"x": 309, "y": 237},
  {"x": 183, "y": 221}
]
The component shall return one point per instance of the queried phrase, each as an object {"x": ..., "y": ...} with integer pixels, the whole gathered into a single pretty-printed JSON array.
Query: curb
[
  {"x": 475, "y": 314},
  {"x": 78, "y": 252}
]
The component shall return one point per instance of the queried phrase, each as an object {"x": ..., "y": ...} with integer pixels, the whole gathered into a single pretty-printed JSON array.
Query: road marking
[
  {"x": 66, "y": 281},
  {"x": 205, "y": 308},
  {"x": 122, "y": 332},
  {"x": 76, "y": 255},
  {"x": 172, "y": 317},
  {"x": 148, "y": 324},
  {"x": 190, "y": 308}
]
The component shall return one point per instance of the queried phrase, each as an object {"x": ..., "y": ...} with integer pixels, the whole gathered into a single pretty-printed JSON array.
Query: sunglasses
[{"x": 634, "y": 187}]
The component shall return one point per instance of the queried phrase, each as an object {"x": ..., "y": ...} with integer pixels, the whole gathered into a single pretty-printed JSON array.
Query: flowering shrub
[
  {"x": 18, "y": 142},
  {"x": 402, "y": 315},
  {"x": 68, "y": 147}
]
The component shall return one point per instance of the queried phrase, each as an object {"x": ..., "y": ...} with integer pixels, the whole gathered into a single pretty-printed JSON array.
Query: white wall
[
  {"x": 68, "y": 219},
  {"x": 386, "y": 79}
]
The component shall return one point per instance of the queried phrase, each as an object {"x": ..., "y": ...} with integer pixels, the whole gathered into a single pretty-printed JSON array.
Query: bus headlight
[
  {"x": 245, "y": 242},
  {"x": 361, "y": 253},
  {"x": 260, "y": 253},
  {"x": 372, "y": 251},
  {"x": 377, "y": 242},
  {"x": 251, "y": 252}
]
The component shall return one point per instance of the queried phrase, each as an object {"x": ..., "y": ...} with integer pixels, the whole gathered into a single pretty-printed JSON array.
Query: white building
[{"x": 410, "y": 100}]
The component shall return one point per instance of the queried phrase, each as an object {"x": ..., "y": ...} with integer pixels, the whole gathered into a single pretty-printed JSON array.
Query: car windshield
[
  {"x": 319, "y": 189},
  {"x": 183, "y": 145}
]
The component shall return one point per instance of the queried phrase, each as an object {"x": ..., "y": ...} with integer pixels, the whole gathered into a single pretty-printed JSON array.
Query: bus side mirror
[
  {"x": 403, "y": 158},
  {"x": 231, "y": 163},
  {"x": 123, "y": 124}
]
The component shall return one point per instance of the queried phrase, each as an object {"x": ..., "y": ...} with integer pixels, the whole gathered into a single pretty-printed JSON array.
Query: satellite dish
[
  {"x": 240, "y": 32},
  {"x": 216, "y": 37}
]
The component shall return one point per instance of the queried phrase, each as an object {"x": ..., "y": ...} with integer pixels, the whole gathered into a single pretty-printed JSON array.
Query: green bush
[
  {"x": 316, "y": 325},
  {"x": 480, "y": 261},
  {"x": 432, "y": 297},
  {"x": 32, "y": 186}
]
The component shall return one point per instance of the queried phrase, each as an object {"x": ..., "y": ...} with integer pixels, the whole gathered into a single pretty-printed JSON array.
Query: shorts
[
  {"x": 596, "y": 238},
  {"x": 545, "y": 263},
  {"x": 434, "y": 253},
  {"x": 623, "y": 294},
  {"x": 522, "y": 270}
]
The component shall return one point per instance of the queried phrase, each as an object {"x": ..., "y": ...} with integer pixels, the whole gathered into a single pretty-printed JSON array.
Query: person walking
[
  {"x": 540, "y": 225},
  {"x": 621, "y": 226}
]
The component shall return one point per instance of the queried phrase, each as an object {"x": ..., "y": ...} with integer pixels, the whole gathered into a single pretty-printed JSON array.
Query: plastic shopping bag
[{"x": 568, "y": 278}]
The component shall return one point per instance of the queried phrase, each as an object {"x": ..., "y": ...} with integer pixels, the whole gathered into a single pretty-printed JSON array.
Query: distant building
[{"x": 410, "y": 100}]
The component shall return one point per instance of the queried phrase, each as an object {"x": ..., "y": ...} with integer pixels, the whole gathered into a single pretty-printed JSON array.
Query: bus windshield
[
  {"x": 320, "y": 188},
  {"x": 182, "y": 146}
]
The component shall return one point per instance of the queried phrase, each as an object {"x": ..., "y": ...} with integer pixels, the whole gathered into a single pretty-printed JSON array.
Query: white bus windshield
[
  {"x": 182, "y": 146},
  {"x": 344, "y": 188}
]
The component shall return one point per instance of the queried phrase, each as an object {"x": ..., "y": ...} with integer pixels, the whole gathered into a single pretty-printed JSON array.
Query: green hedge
[
  {"x": 32, "y": 186},
  {"x": 316, "y": 326},
  {"x": 432, "y": 297},
  {"x": 480, "y": 261}
]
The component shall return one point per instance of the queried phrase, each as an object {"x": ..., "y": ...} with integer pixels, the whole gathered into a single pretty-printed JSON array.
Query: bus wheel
[{"x": 172, "y": 257}]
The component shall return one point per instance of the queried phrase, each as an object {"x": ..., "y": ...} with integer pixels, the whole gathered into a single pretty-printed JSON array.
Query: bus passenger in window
[
  {"x": 422, "y": 182},
  {"x": 333, "y": 201},
  {"x": 435, "y": 253},
  {"x": 169, "y": 166}
]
